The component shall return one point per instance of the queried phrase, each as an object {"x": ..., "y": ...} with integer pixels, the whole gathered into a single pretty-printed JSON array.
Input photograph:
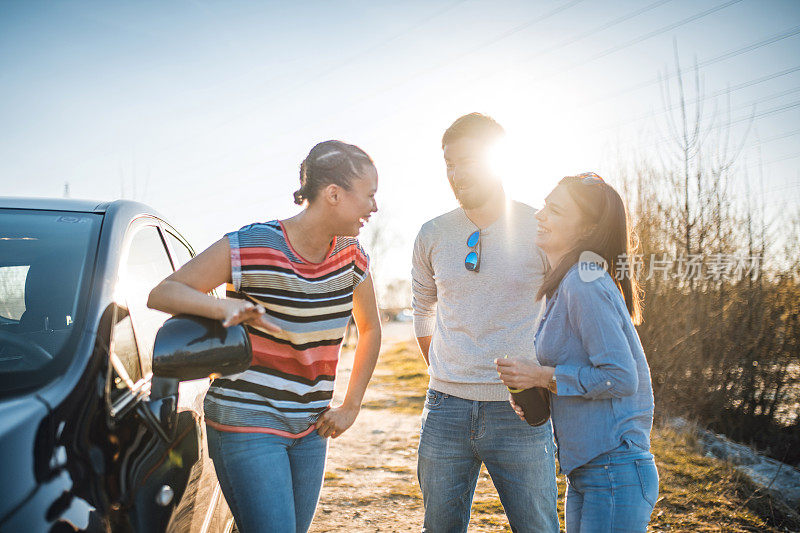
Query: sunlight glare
[{"x": 546, "y": 139}]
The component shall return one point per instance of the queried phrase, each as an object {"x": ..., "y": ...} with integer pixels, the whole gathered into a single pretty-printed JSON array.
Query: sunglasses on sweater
[{"x": 473, "y": 260}]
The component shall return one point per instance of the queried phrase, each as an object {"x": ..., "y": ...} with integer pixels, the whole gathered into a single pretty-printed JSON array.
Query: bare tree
[
  {"x": 378, "y": 238},
  {"x": 723, "y": 349}
]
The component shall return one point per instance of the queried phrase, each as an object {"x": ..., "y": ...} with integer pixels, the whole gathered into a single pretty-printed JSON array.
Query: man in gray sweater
[{"x": 475, "y": 274}]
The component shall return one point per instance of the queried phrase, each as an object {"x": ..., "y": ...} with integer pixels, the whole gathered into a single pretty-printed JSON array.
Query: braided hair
[{"x": 330, "y": 162}]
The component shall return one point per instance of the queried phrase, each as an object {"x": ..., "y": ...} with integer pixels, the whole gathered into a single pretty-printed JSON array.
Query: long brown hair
[{"x": 610, "y": 237}]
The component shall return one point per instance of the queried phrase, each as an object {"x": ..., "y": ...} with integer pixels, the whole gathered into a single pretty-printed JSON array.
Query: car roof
[
  {"x": 53, "y": 204},
  {"x": 122, "y": 207}
]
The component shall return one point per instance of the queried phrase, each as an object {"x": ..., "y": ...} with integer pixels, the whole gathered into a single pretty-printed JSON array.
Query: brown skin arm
[
  {"x": 424, "y": 347},
  {"x": 186, "y": 291},
  {"x": 335, "y": 421}
]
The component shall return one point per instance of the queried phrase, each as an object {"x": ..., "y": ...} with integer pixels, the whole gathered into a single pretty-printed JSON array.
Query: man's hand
[
  {"x": 424, "y": 347},
  {"x": 335, "y": 421},
  {"x": 517, "y": 408},
  {"x": 244, "y": 312}
]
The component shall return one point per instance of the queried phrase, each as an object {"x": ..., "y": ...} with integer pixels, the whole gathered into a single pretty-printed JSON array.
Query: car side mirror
[{"x": 192, "y": 347}]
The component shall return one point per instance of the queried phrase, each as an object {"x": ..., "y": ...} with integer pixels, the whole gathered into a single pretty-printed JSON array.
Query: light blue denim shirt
[{"x": 604, "y": 395}]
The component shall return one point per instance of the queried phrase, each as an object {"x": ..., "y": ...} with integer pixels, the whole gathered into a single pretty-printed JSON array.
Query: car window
[
  {"x": 146, "y": 265},
  {"x": 46, "y": 265},
  {"x": 124, "y": 355},
  {"x": 180, "y": 253}
]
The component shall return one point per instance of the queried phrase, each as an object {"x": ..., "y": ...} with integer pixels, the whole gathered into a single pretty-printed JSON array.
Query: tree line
[{"x": 719, "y": 272}]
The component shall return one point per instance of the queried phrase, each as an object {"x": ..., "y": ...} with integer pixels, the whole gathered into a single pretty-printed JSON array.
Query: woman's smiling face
[
  {"x": 561, "y": 224},
  {"x": 358, "y": 203}
]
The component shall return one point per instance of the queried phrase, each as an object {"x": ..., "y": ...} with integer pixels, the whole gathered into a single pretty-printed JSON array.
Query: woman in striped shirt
[{"x": 293, "y": 284}]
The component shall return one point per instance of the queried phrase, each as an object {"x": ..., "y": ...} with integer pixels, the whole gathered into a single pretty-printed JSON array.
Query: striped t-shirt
[{"x": 290, "y": 379}]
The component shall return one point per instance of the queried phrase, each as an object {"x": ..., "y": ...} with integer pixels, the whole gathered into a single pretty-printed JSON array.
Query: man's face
[{"x": 469, "y": 173}]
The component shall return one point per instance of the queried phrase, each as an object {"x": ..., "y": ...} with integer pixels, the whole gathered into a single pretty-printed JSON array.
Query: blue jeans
[
  {"x": 271, "y": 483},
  {"x": 616, "y": 492},
  {"x": 457, "y": 435}
]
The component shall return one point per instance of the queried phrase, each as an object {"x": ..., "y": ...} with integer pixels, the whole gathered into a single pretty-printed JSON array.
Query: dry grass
[
  {"x": 697, "y": 493},
  {"x": 705, "y": 494},
  {"x": 400, "y": 380},
  {"x": 332, "y": 476}
]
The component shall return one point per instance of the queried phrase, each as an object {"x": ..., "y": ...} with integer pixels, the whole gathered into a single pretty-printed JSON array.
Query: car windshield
[{"x": 46, "y": 260}]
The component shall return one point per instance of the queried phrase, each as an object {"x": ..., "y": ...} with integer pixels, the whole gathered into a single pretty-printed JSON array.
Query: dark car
[{"x": 90, "y": 440}]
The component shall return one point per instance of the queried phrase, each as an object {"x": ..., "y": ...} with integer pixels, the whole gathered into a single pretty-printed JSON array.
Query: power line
[
  {"x": 776, "y": 138},
  {"x": 517, "y": 29},
  {"x": 775, "y": 110},
  {"x": 780, "y": 159},
  {"x": 779, "y": 194},
  {"x": 424, "y": 20},
  {"x": 378, "y": 46},
  {"x": 716, "y": 94},
  {"x": 476, "y": 48},
  {"x": 538, "y": 19},
  {"x": 791, "y": 32},
  {"x": 420, "y": 73},
  {"x": 619, "y": 47},
  {"x": 650, "y": 35},
  {"x": 780, "y": 109},
  {"x": 328, "y": 71},
  {"x": 472, "y": 50},
  {"x": 597, "y": 29},
  {"x": 609, "y": 51}
]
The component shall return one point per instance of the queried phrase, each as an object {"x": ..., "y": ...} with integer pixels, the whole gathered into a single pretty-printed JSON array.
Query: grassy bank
[{"x": 697, "y": 493}]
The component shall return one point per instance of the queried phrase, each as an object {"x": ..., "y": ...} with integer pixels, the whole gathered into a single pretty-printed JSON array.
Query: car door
[
  {"x": 203, "y": 507},
  {"x": 157, "y": 448}
]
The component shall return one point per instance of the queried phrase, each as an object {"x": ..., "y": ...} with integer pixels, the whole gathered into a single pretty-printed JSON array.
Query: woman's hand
[
  {"x": 244, "y": 312},
  {"x": 520, "y": 373},
  {"x": 517, "y": 408},
  {"x": 336, "y": 420},
  {"x": 187, "y": 291}
]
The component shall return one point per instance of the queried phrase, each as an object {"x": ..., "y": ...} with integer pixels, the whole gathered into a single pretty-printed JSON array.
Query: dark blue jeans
[
  {"x": 457, "y": 435},
  {"x": 271, "y": 483},
  {"x": 614, "y": 492}
]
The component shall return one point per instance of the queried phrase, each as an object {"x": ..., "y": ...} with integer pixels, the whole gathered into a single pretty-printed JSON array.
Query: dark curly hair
[{"x": 330, "y": 162}]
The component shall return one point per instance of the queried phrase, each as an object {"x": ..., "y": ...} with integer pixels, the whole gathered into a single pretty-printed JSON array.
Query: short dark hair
[
  {"x": 474, "y": 125},
  {"x": 330, "y": 162}
]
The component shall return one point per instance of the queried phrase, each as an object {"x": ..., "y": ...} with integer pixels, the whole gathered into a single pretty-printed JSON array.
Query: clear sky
[{"x": 204, "y": 110}]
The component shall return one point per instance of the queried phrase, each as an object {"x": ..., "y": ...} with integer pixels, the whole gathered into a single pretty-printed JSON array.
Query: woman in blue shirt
[{"x": 592, "y": 359}]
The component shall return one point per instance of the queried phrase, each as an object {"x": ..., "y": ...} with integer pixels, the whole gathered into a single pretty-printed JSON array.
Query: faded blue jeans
[
  {"x": 271, "y": 483},
  {"x": 456, "y": 436},
  {"x": 614, "y": 492}
]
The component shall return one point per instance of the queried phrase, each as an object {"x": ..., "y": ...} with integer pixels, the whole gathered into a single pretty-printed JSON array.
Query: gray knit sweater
[{"x": 477, "y": 317}]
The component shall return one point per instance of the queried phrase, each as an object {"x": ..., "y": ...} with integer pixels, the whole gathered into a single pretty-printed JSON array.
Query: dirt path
[
  {"x": 370, "y": 480},
  {"x": 371, "y": 483}
]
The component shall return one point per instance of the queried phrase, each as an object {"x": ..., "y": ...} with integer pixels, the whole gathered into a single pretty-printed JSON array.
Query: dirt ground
[
  {"x": 371, "y": 483},
  {"x": 370, "y": 477}
]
